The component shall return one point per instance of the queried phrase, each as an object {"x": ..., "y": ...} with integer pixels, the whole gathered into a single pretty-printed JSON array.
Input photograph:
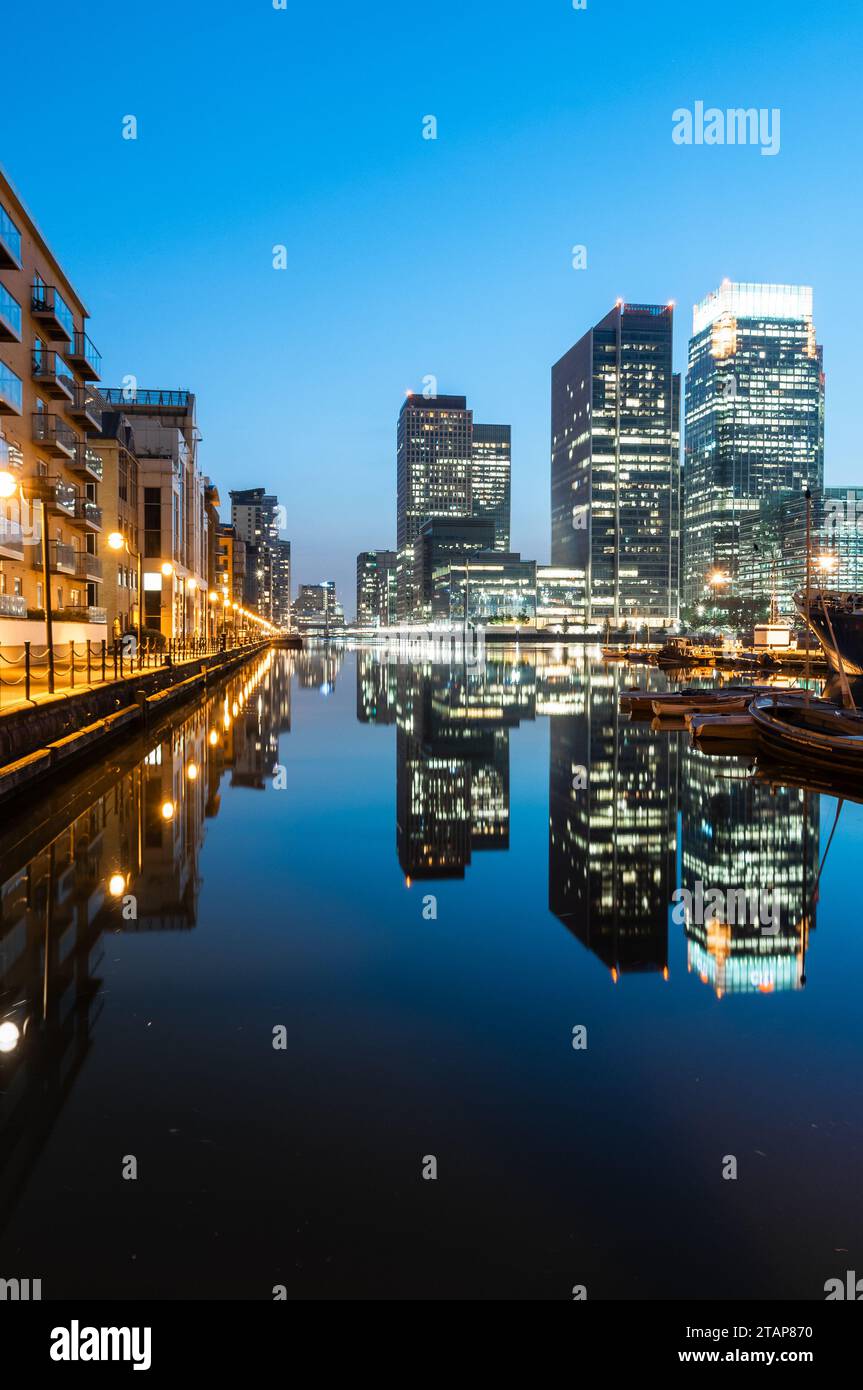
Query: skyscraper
[
  {"x": 433, "y": 458},
  {"x": 376, "y": 592},
  {"x": 447, "y": 467},
  {"x": 615, "y": 465},
  {"x": 491, "y": 459},
  {"x": 754, "y": 421}
]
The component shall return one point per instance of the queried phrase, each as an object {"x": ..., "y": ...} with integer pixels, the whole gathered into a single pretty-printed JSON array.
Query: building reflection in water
[
  {"x": 634, "y": 812},
  {"x": 737, "y": 833},
  {"x": 612, "y": 826},
  {"x": 108, "y": 854}
]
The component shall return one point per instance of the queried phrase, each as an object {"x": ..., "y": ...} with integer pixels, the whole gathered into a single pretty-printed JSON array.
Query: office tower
[
  {"x": 491, "y": 458},
  {"x": 771, "y": 566},
  {"x": 433, "y": 472},
  {"x": 615, "y": 466},
  {"x": 376, "y": 588},
  {"x": 754, "y": 423},
  {"x": 48, "y": 479},
  {"x": 172, "y": 511}
]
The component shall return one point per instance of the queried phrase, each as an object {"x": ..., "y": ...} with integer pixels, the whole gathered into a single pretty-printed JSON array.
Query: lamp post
[
  {"x": 117, "y": 541},
  {"x": 9, "y": 485},
  {"x": 716, "y": 580}
]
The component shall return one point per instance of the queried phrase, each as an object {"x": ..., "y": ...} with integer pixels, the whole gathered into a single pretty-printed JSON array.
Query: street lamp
[{"x": 117, "y": 541}]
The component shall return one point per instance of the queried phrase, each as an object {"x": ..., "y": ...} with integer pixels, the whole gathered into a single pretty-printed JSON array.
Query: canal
[{"x": 364, "y": 979}]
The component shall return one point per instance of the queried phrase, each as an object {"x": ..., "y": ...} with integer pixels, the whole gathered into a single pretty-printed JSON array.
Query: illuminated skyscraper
[
  {"x": 491, "y": 460},
  {"x": 615, "y": 465},
  {"x": 754, "y": 422},
  {"x": 447, "y": 468}
]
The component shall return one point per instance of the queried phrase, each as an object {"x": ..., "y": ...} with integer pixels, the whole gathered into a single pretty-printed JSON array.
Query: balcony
[
  {"x": 88, "y": 566},
  {"x": 11, "y": 541},
  {"x": 62, "y": 559},
  {"x": 10, "y": 242},
  {"x": 50, "y": 309},
  {"x": 84, "y": 358},
  {"x": 11, "y": 392},
  {"x": 54, "y": 436},
  {"x": 13, "y": 606},
  {"x": 51, "y": 373},
  {"x": 10, "y": 317},
  {"x": 57, "y": 496},
  {"x": 86, "y": 461},
  {"x": 88, "y": 513},
  {"x": 85, "y": 407}
]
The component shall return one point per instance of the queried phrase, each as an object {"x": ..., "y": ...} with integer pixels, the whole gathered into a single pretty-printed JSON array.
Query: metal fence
[{"x": 31, "y": 669}]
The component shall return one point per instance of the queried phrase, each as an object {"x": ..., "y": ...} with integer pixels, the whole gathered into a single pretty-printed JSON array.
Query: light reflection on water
[{"x": 378, "y": 857}]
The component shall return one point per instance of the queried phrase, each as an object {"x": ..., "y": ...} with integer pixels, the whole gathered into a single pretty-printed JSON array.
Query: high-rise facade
[
  {"x": 376, "y": 588},
  {"x": 615, "y": 466},
  {"x": 256, "y": 516},
  {"x": 491, "y": 466},
  {"x": 447, "y": 467},
  {"x": 754, "y": 421}
]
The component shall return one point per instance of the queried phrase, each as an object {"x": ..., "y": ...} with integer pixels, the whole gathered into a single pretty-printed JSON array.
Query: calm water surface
[{"x": 399, "y": 866}]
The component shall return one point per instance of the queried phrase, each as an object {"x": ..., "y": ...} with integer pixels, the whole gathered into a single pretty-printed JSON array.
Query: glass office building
[
  {"x": 754, "y": 422},
  {"x": 615, "y": 466},
  {"x": 772, "y": 559},
  {"x": 491, "y": 460}
]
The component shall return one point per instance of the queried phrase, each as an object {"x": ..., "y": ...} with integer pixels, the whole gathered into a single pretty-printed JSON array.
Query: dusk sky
[{"x": 409, "y": 257}]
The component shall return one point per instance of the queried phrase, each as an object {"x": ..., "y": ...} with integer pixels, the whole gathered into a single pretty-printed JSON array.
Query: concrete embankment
[{"x": 39, "y": 742}]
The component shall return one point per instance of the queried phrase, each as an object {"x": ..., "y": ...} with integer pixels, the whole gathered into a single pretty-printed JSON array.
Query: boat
[
  {"x": 836, "y": 619},
  {"x": 682, "y": 651},
  {"x": 725, "y": 699},
  {"x": 813, "y": 731},
  {"x": 732, "y": 733}
]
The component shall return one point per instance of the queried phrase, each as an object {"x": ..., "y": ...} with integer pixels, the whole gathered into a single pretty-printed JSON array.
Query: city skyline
[{"x": 357, "y": 319}]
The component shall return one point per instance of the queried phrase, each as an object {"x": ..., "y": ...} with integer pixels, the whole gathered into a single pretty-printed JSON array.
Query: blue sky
[{"x": 408, "y": 257}]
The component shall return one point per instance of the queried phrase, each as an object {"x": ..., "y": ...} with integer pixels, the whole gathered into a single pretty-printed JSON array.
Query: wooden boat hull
[{"x": 819, "y": 733}]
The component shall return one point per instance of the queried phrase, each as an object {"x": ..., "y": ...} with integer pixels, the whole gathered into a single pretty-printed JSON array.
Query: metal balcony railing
[{"x": 53, "y": 434}]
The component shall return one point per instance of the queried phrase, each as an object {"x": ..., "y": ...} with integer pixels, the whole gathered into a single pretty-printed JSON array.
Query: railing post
[
  {"x": 89, "y": 669},
  {"x": 27, "y": 669},
  {"x": 115, "y": 658},
  {"x": 104, "y": 655},
  {"x": 72, "y": 664}
]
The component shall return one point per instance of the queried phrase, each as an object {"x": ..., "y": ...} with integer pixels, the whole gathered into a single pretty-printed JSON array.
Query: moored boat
[
  {"x": 814, "y": 731},
  {"x": 723, "y": 732}
]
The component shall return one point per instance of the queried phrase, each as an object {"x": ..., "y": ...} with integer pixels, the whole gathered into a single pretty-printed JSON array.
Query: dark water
[{"x": 428, "y": 901}]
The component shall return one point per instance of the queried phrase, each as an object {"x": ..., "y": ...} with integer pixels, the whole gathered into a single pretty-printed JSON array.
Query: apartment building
[
  {"x": 50, "y": 478},
  {"x": 172, "y": 508}
]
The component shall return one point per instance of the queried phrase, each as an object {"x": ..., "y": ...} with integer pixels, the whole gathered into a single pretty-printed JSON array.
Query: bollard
[
  {"x": 72, "y": 665},
  {"x": 104, "y": 654},
  {"x": 27, "y": 669}
]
